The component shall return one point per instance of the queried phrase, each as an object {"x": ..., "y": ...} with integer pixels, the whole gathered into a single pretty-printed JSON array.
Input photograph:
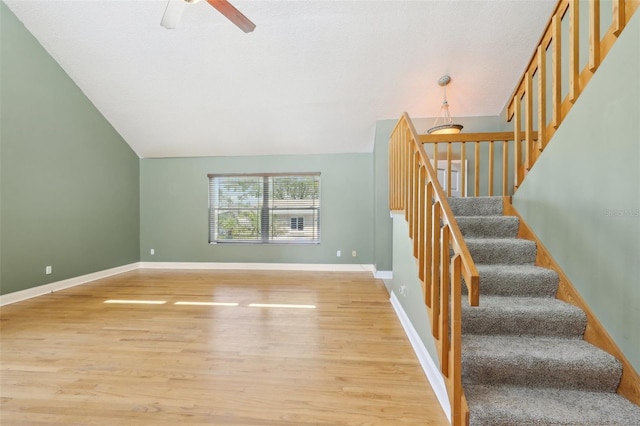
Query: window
[
  {"x": 297, "y": 223},
  {"x": 265, "y": 208}
]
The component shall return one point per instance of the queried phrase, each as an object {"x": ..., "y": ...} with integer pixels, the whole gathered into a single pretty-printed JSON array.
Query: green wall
[
  {"x": 69, "y": 183},
  {"x": 174, "y": 209},
  {"x": 383, "y": 227},
  {"x": 582, "y": 197},
  {"x": 407, "y": 287}
]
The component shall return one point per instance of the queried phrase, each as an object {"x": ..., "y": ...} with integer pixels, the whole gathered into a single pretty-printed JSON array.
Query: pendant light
[{"x": 447, "y": 127}]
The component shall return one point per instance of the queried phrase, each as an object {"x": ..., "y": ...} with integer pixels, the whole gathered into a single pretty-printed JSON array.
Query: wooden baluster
[
  {"x": 434, "y": 156},
  {"x": 435, "y": 160},
  {"x": 476, "y": 189},
  {"x": 396, "y": 171},
  {"x": 409, "y": 208},
  {"x": 618, "y": 16},
  {"x": 556, "y": 90},
  {"x": 401, "y": 183},
  {"x": 416, "y": 198},
  {"x": 542, "y": 97},
  {"x": 449, "y": 170},
  {"x": 517, "y": 146},
  {"x": 463, "y": 163},
  {"x": 421, "y": 219},
  {"x": 392, "y": 182},
  {"x": 594, "y": 35},
  {"x": 415, "y": 205},
  {"x": 400, "y": 171},
  {"x": 445, "y": 292},
  {"x": 456, "y": 342},
  {"x": 399, "y": 194},
  {"x": 490, "y": 192},
  {"x": 428, "y": 261},
  {"x": 505, "y": 167},
  {"x": 406, "y": 179},
  {"x": 574, "y": 51},
  {"x": 528, "y": 121},
  {"x": 435, "y": 272}
]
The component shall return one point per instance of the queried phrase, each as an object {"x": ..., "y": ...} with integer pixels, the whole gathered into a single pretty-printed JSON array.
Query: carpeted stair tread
[
  {"x": 476, "y": 206},
  {"x": 538, "y": 362},
  {"x": 517, "y": 280},
  {"x": 501, "y": 250},
  {"x": 507, "y": 405},
  {"x": 523, "y": 316},
  {"x": 488, "y": 226}
]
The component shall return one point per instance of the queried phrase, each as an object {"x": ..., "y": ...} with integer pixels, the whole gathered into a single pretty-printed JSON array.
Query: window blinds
[{"x": 264, "y": 208}]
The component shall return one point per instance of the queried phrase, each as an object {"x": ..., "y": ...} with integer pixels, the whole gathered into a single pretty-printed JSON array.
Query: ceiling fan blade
[
  {"x": 172, "y": 14},
  {"x": 233, "y": 14}
]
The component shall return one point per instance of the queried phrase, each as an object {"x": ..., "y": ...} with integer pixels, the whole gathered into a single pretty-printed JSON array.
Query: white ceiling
[{"x": 312, "y": 78}]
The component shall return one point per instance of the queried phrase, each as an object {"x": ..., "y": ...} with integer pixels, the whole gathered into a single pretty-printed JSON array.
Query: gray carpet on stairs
[
  {"x": 518, "y": 406},
  {"x": 517, "y": 280},
  {"x": 538, "y": 361},
  {"x": 524, "y": 359},
  {"x": 524, "y": 316},
  {"x": 488, "y": 226},
  {"x": 478, "y": 206},
  {"x": 501, "y": 251}
]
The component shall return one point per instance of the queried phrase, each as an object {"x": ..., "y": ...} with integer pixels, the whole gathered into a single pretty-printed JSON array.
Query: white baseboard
[
  {"x": 260, "y": 266},
  {"x": 428, "y": 366},
  {"x": 17, "y": 296},
  {"x": 383, "y": 275}
]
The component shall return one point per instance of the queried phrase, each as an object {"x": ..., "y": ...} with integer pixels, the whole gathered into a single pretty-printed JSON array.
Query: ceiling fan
[{"x": 173, "y": 13}]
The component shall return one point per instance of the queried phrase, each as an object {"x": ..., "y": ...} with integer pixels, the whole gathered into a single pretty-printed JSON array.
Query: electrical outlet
[
  {"x": 48, "y": 270},
  {"x": 353, "y": 253},
  {"x": 403, "y": 290},
  {"x": 338, "y": 253},
  {"x": 153, "y": 251}
]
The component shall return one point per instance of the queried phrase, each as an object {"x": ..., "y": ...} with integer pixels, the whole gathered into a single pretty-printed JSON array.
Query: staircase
[{"x": 524, "y": 361}]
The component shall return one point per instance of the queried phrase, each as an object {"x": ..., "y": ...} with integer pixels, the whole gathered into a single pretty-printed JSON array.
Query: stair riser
[
  {"x": 489, "y": 227},
  {"x": 543, "y": 285},
  {"x": 495, "y": 281},
  {"x": 476, "y": 206},
  {"x": 509, "y": 251}
]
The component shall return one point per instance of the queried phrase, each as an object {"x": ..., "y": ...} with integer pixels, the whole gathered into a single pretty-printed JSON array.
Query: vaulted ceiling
[{"x": 312, "y": 78}]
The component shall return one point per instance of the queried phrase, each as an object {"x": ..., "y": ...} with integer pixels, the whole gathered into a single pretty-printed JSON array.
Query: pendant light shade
[{"x": 447, "y": 127}]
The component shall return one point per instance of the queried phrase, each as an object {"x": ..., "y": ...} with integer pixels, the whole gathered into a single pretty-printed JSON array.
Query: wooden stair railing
[
  {"x": 414, "y": 189},
  {"x": 489, "y": 156},
  {"x": 530, "y": 111}
]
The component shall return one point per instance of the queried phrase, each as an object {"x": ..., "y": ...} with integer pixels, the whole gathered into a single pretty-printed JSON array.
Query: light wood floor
[{"x": 71, "y": 358}]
